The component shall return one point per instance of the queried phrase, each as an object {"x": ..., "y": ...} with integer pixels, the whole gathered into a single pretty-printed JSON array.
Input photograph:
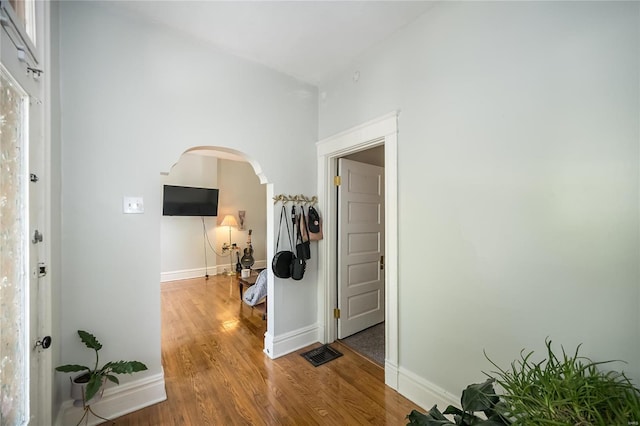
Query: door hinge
[
  {"x": 337, "y": 180},
  {"x": 381, "y": 263},
  {"x": 37, "y": 237},
  {"x": 336, "y": 313},
  {"x": 33, "y": 177}
]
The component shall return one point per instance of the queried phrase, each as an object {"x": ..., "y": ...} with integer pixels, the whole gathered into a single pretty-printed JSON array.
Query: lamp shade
[{"x": 229, "y": 220}]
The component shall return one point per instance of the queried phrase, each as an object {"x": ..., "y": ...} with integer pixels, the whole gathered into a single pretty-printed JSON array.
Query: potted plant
[
  {"x": 86, "y": 386},
  {"x": 566, "y": 388},
  {"x": 478, "y": 397},
  {"x": 563, "y": 389}
]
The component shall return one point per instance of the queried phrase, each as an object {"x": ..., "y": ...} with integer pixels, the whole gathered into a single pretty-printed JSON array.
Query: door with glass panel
[{"x": 25, "y": 375}]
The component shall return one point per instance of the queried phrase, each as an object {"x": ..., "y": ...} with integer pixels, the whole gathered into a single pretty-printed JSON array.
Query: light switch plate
[{"x": 133, "y": 205}]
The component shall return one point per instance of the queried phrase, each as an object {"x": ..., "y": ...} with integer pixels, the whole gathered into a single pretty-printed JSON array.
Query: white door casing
[
  {"x": 382, "y": 130},
  {"x": 24, "y": 61},
  {"x": 360, "y": 246}
]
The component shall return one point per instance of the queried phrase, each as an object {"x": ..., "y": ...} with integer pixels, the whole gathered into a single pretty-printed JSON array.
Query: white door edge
[{"x": 382, "y": 130}]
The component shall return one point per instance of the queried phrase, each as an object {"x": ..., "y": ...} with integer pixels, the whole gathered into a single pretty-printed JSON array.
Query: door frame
[
  {"x": 39, "y": 91},
  {"x": 380, "y": 131}
]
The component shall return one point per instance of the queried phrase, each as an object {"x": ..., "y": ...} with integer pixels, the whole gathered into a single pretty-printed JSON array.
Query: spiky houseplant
[
  {"x": 566, "y": 389},
  {"x": 560, "y": 390},
  {"x": 96, "y": 376}
]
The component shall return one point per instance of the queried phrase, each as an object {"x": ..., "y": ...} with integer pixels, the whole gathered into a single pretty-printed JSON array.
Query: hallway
[{"x": 217, "y": 374}]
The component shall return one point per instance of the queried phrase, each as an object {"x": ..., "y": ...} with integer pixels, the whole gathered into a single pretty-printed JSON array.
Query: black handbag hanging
[
  {"x": 282, "y": 263},
  {"x": 303, "y": 245},
  {"x": 298, "y": 265}
]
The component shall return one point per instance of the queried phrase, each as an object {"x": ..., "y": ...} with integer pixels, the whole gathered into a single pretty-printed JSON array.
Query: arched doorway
[{"x": 227, "y": 205}]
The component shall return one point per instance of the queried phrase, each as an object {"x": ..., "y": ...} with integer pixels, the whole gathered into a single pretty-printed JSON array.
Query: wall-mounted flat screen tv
[{"x": 189, "y": 201}]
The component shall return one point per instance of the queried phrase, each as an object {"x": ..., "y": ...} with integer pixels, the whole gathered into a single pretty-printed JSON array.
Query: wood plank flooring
[{"x": 217, "y": 374}]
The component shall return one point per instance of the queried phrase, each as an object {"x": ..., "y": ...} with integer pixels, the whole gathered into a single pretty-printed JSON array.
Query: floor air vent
[{"x": 321, "y": 355}]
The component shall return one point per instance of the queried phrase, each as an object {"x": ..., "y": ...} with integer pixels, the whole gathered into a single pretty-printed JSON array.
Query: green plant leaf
[
  {"x": 436, "y": 414},
  {"x": 453, "y": 410},
  {"x": 125, "y": 367},
  {"x": 89, "y": 340},
  {"x": 479, "y": 396},
  {"x": 93, "y": 386},
  {"x": 417, "y": 418},
  {"x": 72, "y": 368},
  {"x": 433, "y": 418},
  {"x": 114, "y": 379},
  {"x": 490, "y": 422}
]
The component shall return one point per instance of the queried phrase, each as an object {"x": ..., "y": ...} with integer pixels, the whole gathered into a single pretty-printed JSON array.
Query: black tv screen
[{"x": 189, "y": 201}]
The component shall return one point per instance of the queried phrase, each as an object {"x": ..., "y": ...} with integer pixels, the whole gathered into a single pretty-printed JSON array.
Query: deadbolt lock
[{"x": 45, "y": 343}]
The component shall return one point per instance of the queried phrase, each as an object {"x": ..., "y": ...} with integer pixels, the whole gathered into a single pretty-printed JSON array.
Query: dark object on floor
[
  {"x": 369, "y": 342},
  {"x": 321, "y": 355}
]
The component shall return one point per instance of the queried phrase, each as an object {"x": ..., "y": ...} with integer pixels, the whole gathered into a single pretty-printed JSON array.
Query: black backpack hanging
[
  {"x": 282, "y": 263},
  {"x": 314, "y": 223}
]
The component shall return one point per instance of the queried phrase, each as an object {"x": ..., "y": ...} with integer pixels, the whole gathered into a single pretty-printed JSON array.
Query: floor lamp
[{"x": 230, "y": 220}]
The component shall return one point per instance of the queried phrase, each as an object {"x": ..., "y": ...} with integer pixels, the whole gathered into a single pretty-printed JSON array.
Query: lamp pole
[{"x": 229, "y": 220}]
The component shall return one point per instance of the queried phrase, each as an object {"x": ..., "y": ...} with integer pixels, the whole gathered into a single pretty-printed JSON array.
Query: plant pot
[{"x": 78, "y": 390}]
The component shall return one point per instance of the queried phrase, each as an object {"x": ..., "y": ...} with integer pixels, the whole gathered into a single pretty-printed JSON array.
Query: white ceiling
[{"x": 308, "y": 40}]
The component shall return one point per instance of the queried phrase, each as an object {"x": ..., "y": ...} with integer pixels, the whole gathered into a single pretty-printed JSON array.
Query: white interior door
[{"x": 360, "y": 246}]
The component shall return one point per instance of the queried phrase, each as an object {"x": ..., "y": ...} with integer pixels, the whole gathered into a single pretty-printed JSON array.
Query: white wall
[
  {"x": 518, "y": 180},
  {"x": 134, "y": 98},
  {"x": 181, "y": 248}
]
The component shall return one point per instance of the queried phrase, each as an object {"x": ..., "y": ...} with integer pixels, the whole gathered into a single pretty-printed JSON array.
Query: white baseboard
[
  {"x": 423, "y": 392},
  {"x": 391, "y": 375},
  {"x": 260, "y": 264},
  {"x": 286, "y": 343},
  {"x": 117, "y": 401},
  {"x": 268, "y": 344},
  {"x": 185, "y": 274}
]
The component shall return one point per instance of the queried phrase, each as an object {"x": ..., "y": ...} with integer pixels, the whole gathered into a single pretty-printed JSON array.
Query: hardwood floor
[{"x": 217, "y": 374}]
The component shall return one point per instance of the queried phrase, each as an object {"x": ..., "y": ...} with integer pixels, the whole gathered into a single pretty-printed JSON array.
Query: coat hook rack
[{"x": 297, "y": 199}]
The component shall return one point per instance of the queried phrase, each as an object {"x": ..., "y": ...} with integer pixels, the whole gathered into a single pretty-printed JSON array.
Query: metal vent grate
[{"x": 321, "y": 355}]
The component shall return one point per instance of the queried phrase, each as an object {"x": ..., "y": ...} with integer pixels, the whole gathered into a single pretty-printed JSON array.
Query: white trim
[
  {"x": 391, "y": 374},
  {"x": 382, "y": 130},
  {"x": 186, "y": 274},
  {"x": 45, "y": 402},
  {"x": 268, "y": 337},
  {"x": 271, "y": 314},
  {"x": 423, "y": 392},
  {"x": 286, "y": 343},
  {"x": 118, "y": 401}
]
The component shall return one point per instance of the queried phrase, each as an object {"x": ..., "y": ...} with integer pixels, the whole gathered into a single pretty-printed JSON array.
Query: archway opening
[{"x": 192, "y": 247}]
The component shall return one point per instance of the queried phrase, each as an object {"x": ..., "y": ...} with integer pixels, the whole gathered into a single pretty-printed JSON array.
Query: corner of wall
[
  {"x": 283, "y": 344},
  {"x": 421, "y": 391}
]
